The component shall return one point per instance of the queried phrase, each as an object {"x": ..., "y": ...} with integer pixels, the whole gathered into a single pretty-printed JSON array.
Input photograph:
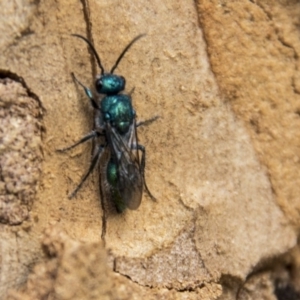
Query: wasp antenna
[
  {"x": 125, "y": 50},
  {"x": 93, "y": 50}
]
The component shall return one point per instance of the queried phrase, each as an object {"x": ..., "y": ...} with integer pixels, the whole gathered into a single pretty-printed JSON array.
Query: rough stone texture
[
  {"x": 222, "y": 159},
  {"x": 253, "y": 48},
  {"x": 93, "y": 279},
  {"x": 20, "y": 153},
  {"x": 170, "y": 267},
  {"x": 278, "y": 280}
]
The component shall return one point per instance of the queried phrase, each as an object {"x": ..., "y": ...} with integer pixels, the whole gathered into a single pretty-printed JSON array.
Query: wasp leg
[
  {"x": 143, "y": 164},
  {"x": 131, "y": 92},
  {"x": 147, "y": 122},
  {"x": 87, "y": 92},
  {"x": 94, "y": 163},
  {"x": 87, "y": 137},
  {"x": 104, "y": 218}
]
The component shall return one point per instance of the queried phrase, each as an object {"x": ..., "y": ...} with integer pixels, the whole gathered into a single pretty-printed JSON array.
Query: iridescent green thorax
[
  {"x": 117, "y": 110},
  {"x": 112, "y": 178}
]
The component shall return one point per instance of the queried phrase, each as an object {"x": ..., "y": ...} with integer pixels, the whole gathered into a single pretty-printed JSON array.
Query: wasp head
[{"x": 110, "y": 84}]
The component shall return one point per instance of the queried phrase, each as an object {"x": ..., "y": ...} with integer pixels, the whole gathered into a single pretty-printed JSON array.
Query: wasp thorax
[
  {"x": 117, "y": 109},
  {"x": 110, "y": 84}
]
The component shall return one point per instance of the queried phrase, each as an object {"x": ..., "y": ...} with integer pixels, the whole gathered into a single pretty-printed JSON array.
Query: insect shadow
[{"x": 122, "y": 174}]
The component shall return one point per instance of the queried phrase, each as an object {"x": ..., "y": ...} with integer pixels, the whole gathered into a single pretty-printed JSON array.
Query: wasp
[{"x": 115, "y": 131}]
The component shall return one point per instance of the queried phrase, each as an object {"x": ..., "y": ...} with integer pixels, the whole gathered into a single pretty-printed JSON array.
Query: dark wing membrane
[{"x": 130, "y": 179}]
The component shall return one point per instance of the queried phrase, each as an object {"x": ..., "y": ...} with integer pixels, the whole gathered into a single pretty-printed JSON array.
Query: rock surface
[{"x": 222, "y": 159}]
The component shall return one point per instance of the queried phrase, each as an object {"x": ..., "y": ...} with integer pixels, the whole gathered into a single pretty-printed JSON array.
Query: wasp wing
[{"x": 125, "y": 154}]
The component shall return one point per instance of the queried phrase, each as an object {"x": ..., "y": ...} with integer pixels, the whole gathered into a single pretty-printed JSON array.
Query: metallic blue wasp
[{"x": 115, "y": 131}]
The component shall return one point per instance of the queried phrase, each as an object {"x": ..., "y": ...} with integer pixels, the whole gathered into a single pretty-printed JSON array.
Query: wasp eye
[
  {"x": 99, "y": 85},
  {"x": 124, "y": 80}
]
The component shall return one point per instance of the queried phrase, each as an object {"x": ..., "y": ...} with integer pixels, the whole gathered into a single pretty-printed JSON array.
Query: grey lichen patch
[
  {"x": 20, "y": 152},
  {"x": 178, "y": 266},
  {"x": 84, "y": 267}
]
